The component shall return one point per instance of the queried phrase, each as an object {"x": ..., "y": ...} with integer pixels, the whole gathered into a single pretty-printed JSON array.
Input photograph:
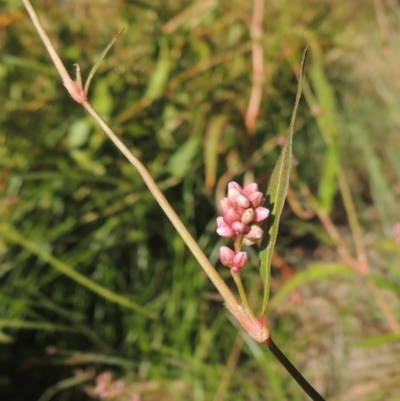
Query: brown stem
[
  {"x": 256, "y": 34},
  {"x": 301, "y": 381}
]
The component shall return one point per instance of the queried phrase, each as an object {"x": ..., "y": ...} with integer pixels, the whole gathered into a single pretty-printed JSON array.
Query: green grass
[{"x": 92, "y": 269}]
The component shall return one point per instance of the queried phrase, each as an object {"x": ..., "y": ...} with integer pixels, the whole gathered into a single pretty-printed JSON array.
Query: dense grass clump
[{"x": 93, "y": 277}]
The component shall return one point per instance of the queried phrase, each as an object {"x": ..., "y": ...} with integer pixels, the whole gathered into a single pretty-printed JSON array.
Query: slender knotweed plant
[{"x": 242, "y": 211}]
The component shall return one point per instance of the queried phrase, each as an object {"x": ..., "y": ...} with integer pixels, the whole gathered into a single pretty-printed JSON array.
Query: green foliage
[
  {"x": 86, "y": 256},
  {"x": 316, "y": 271}
]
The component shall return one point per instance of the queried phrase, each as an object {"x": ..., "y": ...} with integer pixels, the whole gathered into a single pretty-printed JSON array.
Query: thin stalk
[
  {"x": 301, "y": 381},
  {"x": 256, "y": 33},
  {"x": 102, "y": 55},
  {"x": 356, "y": 230},
  {"x": 242, "y": 292}
]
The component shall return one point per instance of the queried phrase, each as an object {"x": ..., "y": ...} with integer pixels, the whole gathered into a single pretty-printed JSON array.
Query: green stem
[
  {"x": 302, "y": 382},
  {"x": 242, "y": 293}
]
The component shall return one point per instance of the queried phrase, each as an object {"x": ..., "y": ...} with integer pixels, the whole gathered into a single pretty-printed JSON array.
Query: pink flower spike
[
  {"x": 239, "y": 261},
  {"x": 249, "y": 189},
  {"x": 261, "y": 213},
  {"x": 253, "y": 235},
  {"x": 226, "y": 256},
  {"x": 223, "y": 229},
  {"x": 234, "y": 184}
]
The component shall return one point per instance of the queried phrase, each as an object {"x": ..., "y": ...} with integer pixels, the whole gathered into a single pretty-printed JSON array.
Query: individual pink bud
[
  {"x": 256, "y": 199},
  {"x": 239, "y": 261},
  {"x": 243, "y": 201},
  {"x": 230, "y": 216},
  {"x": 234, "y": 184},
  {"x": 248, "y": 216},
  {"x": 226, "y": 256},
  {"x": 249, "y": 189},
  {"x": 254, "y": 234},
  {"x": 223, "y": 229},
  {"x": 241, "y": 210},
  {"x": 233, "y": 195},
  {"x": 240, "y": 228},
  {"x": 261, "y": 213},
  {"x": 224, "y": 204}
]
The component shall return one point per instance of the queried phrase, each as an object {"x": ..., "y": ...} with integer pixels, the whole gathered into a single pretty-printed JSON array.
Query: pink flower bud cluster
[
  {"x": 242, "y": 211},
  {"x": 107, "y": 387}
]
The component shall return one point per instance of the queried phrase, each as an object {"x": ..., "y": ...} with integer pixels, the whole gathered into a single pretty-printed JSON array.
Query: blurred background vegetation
[{"x": 93, "y": 276}]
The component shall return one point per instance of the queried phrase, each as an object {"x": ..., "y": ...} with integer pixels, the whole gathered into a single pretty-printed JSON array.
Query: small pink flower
[
  {"x": 255, "y": 233},
  {"x": 226, "y": 256},
  {"x": 243, "y": 201},
  {"x": 239, "y": 261},
  {"x": 240, "y": 228},
  {"x": 223, "y": 229},
  {"x": 233, "y": 260},
  {"x": 233, "y": 195},
  {"x": 234, "y": 184},
  {"x": 250, "y": 189},
  {"x": 224, "y": 204},
  {"x": 256, "y": 199},
  {"x": 261, "y": 214},
  {"x": 230, "y": 216},
  {"x": 248, "y": 216}
]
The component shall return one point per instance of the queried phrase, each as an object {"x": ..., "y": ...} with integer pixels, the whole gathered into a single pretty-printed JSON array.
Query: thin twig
[{"x": 256, "y": 34}]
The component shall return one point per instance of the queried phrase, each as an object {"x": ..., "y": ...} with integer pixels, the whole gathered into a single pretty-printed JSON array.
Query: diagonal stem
[{"x": 301, "y": 381}]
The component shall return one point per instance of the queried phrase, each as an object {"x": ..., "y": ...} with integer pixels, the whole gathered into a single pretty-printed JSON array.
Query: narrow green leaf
[
  {"x": 84, "y": 160},
  {"x": 376, "y": 341},
  {"x": 98, "y": 62},
  {"x": 102, "y": 99},
  {"x": 317, "y": 271},
  {"x": 388, "y": 246},
  {"x": 159, "y": 77},
  {"x": 78, "y": 132},
  {"x": 30, "y": 325},
  {"x": 387, "y": 284},
  {"x": 381, "y": 191},
  {"x": 327, "y": 121},
  {"x": 307, "y": 227},
  {"x": 276, "y": 195},
  {"x": 327, "y": 184},
  {"x": 10, "y": 233},
  {"x": 211, "y": 141},
  {"x": 179, "y": 162}
]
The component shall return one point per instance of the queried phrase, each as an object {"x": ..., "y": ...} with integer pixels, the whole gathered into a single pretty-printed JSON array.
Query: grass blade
[
  {"x": 317, "y": 271},
  {"x": 11, "y": 234}
]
